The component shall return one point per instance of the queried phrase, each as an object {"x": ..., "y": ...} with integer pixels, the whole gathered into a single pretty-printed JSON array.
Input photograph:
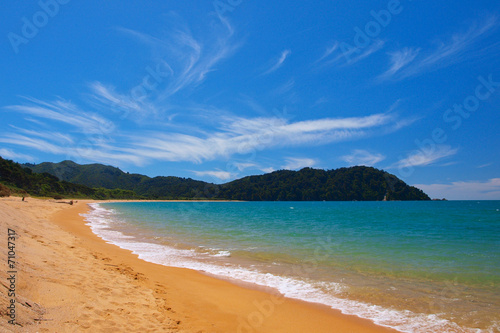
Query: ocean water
[{"x": 412, "y": 266}]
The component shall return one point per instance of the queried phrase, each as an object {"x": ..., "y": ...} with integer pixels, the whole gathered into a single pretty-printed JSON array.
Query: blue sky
[{"x": 218, "y": 90}]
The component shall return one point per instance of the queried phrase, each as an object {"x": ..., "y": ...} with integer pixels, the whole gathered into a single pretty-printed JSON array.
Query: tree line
[{"x": 97, "y": 181}]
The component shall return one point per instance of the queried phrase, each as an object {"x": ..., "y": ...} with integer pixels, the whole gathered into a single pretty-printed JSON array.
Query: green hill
[
  {"x": 24, "y": 181},
  {"x": 345, "y": 184},
  {"x": 91, "y": 175},
  {"x": 354, "y": 183},
  {"x": 103, "y": 176}
]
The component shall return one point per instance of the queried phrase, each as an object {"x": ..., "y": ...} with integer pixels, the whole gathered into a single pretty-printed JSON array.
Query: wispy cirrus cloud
[
  {"x": 84, "y": 150},
  {"x": 363, "y": 157},
  {"x": 243, "y": 135},
  {"x": 267, "y": 170},
  {"x": 285, "y": 87},
  {"x": 360, "y": 55},
  {"x": 334, "y": 54},
  {"x": 88, "y": 136},
  {"x": 400, "y": 59},
  {"x": 409, "y": 62},
  {"x": 64, "y": 112},
  {"x": 294, "y": 163},
  {"x": 459, "y": 42},
  {"x": 181, "y": 61},
  {"x": 53, "y": 135},
  {"x": 237, "y": 167},
  {"x": 424, "y": 158},
  {"x": 8, "y": 153},
  {"x": 244, "y": 165},
  {"x": 464, "y": 190},
  {"x": 218, "y": 174},
  {"x": 33, "y": 143},
  {"x": 129, "y": 104},
  {"x": 328, "y": 51},
  {"x": 92, "y": 137},
  {"x": 284, "y": 55},
  {"x": 485, "y": 165}
]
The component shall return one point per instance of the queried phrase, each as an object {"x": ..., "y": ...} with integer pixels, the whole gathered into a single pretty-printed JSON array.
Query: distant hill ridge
[
  {"x": 16, "y": 179},
  {"x": 109, "y": 177},
  {"x": 345, "y": 184}
]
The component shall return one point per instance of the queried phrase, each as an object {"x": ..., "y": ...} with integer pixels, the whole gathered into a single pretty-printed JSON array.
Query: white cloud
[
  {"x": 92, "y": 137},
  {"x": 84, "y": 149},
  {"x": 9, "y": 154},
  {"x": 329, "y": 50},
  {"x": 65, "y": 112},
  {"x": 403, "y": 63},
  {"x": 235, "y": 136},
  {"x": 459, "y": 42},
  {"x": 126, "y": 103},
  {"x": 92, "y": 134},
  {"x": 33, "y": 143},
  {"x": 400, "y": 59},
  {"x": 334, "y": 55},
  {"x": 243, "y": 166},
  {"x": 374, "y": 47},
  {"x": 51, "y": 135},
  {"x": 423, "y": 158},
  {"x": 362, "y": 157},
  {"x": 284, "y": 88},
  {"x": 185, "y": 62},
  {"x": 103, "y": 153},
  {"x": 293, "y": 163},
  {"x": 279, "y": 62},
  {"x": 242, "y": 135},
  {"x": 268, "y": 170},
  {"x": 484, "y": 165},
  {"x": 464, "y": 190},
  {"x": 219, "y": 174}
]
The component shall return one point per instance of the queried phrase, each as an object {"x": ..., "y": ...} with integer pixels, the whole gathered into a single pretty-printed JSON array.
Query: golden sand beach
[{"x": 66, "y": 279}]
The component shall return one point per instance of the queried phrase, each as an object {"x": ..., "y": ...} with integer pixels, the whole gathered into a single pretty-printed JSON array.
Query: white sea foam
[
  {"x": 221, "y": 253},
  {"x": 101, "y": 222}
]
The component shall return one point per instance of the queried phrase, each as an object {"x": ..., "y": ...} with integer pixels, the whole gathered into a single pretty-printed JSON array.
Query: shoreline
[{"x": 101, "y": 286}]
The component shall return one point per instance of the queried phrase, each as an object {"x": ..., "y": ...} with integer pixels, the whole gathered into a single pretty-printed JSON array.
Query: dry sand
[{"x": 69, "y": 280}]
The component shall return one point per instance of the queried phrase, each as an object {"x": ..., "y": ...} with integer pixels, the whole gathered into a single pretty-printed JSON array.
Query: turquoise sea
[{"x": 414, "y": 266}]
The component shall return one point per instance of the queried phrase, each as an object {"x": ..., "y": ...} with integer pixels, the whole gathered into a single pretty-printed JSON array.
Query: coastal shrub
[{"x": 4, "y": 191}]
